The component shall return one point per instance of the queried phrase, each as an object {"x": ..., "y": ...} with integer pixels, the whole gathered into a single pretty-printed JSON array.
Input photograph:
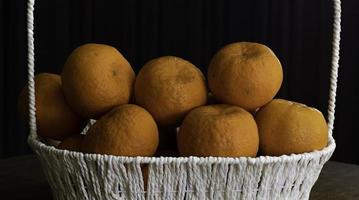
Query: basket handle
[
  {"x": 335, "y": 66},
  {"x": 333, "y": 75},
  {"x": 30, "y": 64}
]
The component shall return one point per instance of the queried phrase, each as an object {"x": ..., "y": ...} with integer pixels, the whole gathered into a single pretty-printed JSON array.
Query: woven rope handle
[
  {"x": 31, "y": 63},
  {"x": 333, "y": 76},
  {"x": 335, "y": 65}
]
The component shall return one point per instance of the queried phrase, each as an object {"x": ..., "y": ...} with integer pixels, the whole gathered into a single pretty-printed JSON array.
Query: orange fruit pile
[{"x": 167, "y": 109}]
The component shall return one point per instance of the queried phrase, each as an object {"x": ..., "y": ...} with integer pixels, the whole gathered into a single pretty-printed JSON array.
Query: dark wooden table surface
[{"x": 22, "y": 178}]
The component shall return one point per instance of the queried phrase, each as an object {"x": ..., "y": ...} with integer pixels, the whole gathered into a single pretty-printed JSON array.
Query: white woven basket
[{"x": 74, "y": 175}]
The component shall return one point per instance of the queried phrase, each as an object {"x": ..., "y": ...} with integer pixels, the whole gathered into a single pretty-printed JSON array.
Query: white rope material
[
  {"x": 335, "y": 65},
  {"x": 74, "y": 175},
  {"x": 94, "y": 176},
  {"x": 31, "y": 69}
]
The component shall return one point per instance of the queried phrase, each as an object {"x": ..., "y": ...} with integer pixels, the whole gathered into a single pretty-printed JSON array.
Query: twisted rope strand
[
  {"x": 335, "y": 65},
  {"x": 31, "y": 61}
]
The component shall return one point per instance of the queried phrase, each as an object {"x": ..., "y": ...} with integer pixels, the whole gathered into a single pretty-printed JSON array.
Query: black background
[{"x": 298, "y": 31}]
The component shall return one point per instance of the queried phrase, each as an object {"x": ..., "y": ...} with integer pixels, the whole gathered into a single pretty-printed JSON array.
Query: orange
[
  {"x": 72, "y": 143},
  {"x": 127, "y": 130},
  {"x": 287, "y": 127},
  {"x": 96, "y": 78},
  {"x": 54, "y": 117},
  {"x": 218, "y": 130},
  {"x": 245, "y": 74},
  {"x": 169, "y": 87}
]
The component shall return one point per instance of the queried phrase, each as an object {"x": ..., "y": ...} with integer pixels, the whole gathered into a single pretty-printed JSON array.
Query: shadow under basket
[{"x": 75, "y": 175}]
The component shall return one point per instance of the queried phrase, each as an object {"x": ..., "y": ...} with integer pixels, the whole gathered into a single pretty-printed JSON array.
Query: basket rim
[{"x": 38, "y": 146}]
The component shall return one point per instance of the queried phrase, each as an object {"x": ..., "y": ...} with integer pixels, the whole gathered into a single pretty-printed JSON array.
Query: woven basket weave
[{"x": 74, "y": 175}]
